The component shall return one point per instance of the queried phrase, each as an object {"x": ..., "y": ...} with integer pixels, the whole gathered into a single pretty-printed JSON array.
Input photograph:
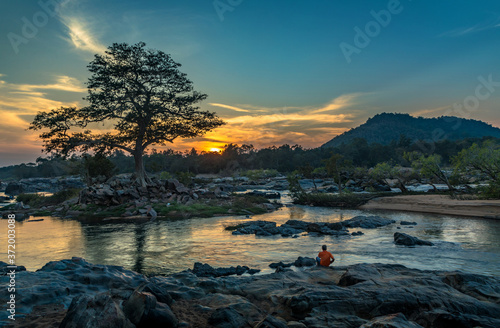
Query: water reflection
[{"x": 170, "y": 246}]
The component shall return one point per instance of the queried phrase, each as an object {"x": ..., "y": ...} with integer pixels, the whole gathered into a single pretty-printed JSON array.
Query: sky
[{"x": 295, "y": 72}]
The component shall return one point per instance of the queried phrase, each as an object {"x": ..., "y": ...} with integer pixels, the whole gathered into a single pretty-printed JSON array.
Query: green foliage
[
  {"x": 241, "y": 205},
  {"x": 36, "y": 200},
  {"x": 483, "y": 159},
  {"x": 165, "y": 175},
  {"x": 33, "y": 200},
  {"x": 429, "y": 167},
  {"x": 97, "y": 165},
  {"x": 255, "y": 175},
  {"x": 296, "y": 190},
  {"x": 492, "y": 191},
  {"x": 338, "y": 167},
  {"x": 186, "y": 178}
]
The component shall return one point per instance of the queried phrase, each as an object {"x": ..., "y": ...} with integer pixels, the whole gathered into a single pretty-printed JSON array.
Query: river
[{"x": 168, "y": 246}]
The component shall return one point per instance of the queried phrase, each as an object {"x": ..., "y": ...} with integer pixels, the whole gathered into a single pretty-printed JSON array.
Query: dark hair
[{"x": 323, "y": 247}]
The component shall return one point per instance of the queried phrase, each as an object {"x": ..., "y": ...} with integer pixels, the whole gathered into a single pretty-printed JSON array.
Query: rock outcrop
[
  {"x": 407, "y": 240},
  {"x": 296, "y": 227},
  {"x": 367, "y": 295}
]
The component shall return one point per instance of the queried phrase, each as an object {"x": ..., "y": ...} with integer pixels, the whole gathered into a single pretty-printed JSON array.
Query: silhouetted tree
[{"x": 142, "y": 93}]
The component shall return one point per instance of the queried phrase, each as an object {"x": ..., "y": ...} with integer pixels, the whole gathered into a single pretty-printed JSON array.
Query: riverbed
[{"x": 168, "y": 246}]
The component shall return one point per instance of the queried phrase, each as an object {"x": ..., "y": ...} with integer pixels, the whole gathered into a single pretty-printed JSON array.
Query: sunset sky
[{"x": 296, "y": 72}]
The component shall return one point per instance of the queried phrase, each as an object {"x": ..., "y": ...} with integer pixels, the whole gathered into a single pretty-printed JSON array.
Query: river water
[{"x": 168, "y": 246}]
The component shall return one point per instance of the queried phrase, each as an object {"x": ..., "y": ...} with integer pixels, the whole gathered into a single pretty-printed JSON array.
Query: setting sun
[{"x": 215, "y": 150}]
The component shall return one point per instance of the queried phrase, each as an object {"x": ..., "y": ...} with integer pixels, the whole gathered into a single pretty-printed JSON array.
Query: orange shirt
[{"x": 325, "y": 257}]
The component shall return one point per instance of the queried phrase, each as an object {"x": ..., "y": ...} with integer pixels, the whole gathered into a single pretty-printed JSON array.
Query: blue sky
[{"x": 276, "y": 71}]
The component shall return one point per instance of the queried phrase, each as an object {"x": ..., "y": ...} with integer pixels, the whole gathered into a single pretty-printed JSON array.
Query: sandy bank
[{"x": 439, "y": 204}]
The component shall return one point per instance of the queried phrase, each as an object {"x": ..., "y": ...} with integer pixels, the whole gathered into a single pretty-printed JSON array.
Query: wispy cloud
[
  {"x": 18, "y": 104},
  {"x": 430, "y": 112},
  {"x": 338, "y": 103},
  {"x": 81, "y": 30},
  {"x": 483, "y": 26},
  {"x": 81, "y": 35},
  {"x": 264, "y": 126},
  {"x": 63, "y": 83},
  {"x": 236, "y": 109}
]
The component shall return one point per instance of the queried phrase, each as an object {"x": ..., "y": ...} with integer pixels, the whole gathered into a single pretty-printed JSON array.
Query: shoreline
[{"x": 436, "y": 204}]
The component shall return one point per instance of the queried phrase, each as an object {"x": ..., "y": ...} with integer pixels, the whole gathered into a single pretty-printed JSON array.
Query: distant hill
[{"x": 386, "y": 127}]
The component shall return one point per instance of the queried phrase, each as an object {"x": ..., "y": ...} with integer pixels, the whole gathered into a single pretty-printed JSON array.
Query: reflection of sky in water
[{"x": 471, "y": 245}]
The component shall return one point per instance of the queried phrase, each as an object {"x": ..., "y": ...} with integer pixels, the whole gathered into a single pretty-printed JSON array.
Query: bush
[
  {"x": 165, "y": 175},
  {"x": 260, "y": 174},
  {"x": 186, "y": 178},
  {"x": 32, "y": 200},
  {"x": 36, "y": 200},
  {"x": 492, "y": 191}
]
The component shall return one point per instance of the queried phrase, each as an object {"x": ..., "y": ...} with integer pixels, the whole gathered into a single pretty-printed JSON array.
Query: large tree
[{"x": 142, "y": 94}]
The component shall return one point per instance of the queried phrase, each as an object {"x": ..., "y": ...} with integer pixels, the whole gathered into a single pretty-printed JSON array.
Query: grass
[
  {"x": 36, "y": 200},
  {"x": 241, "y": 205}
]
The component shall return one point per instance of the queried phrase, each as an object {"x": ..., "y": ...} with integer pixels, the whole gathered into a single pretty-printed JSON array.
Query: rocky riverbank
[
  {"x": 120, "y": 198},
  {"x": 75, "y": 293}
]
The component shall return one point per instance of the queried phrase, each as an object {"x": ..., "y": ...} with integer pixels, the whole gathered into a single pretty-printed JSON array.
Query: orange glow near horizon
[{"x": 215, "y": 150}]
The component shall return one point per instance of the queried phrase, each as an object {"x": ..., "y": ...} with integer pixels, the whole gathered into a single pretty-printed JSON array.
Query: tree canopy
[{"x": 145, "y": 97}]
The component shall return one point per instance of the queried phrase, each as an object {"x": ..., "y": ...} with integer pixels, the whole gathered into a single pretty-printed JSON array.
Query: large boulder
[
  {"x": 407, "y": 240},
  {"x": 367, "y": 222},
  {"x": 98, "y": 311}
]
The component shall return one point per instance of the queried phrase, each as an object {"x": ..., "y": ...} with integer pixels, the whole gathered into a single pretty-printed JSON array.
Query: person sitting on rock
[{"x": 325, "y": 258}]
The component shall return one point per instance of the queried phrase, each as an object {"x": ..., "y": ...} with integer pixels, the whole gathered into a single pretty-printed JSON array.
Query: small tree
[
  {"x": 139, "y": 91},
  {"x": 337, "y": 167},
  {"x": 95, "y": 166},
  {"x": 485, "y": 160},
  {"x": 384, "y": 171},
  {"x": 429, "y": 167}
]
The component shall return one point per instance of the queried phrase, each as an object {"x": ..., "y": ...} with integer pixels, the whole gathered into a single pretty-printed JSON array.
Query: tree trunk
[
  {"x": 339, "y": 183},
  {"x": 402, "y": 186},
  {"x": 140, "y": 174}
]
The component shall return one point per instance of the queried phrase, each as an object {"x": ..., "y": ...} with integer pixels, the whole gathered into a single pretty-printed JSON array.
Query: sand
[{"x": 438, "y": 204}]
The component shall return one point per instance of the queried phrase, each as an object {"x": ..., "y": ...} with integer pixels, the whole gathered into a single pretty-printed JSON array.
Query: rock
[
  {"x": 138, "y": 305},
  {"x": 374, "y": 295},
  {"x": 161, "y": 294},
  {"x": 4, "y": 270},
  {"x": 367, "y": 222},
  {"x": 227, "y": 318},
  {"x": 357, "y": 233},
  {"x": 304, "y": 262},
  {"x": 295, "y": 324},
  {"x": 408, "y": 223},
  {"x": 159, "y": 317},
  {"x": 151, "y": 212},
  {"x": 271, "y": 322},
  {"x": 205, "y": 270},
  {"x": 265, "y": 194},
  {"x": 98, "y": 311},
  {"x": 391, "y": 321},
  {"x": 176, "y": 186},
  {"x": 280, "y": 264},
  {"x": 13, "y": 188},
  {"x": 407, "y": 240}
]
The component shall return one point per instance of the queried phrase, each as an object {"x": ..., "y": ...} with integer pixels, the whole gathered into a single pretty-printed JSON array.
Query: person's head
[{"x": 323, "y": 247}]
